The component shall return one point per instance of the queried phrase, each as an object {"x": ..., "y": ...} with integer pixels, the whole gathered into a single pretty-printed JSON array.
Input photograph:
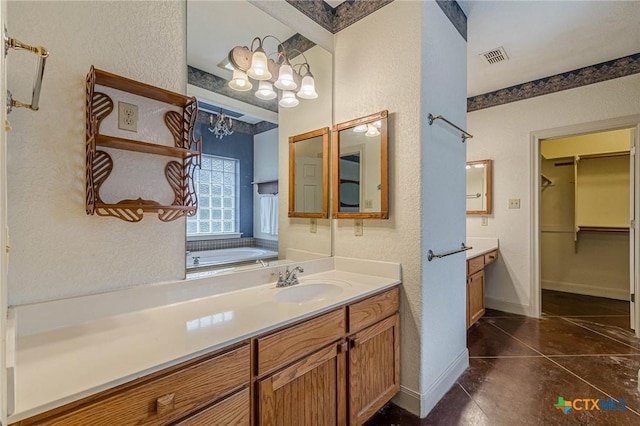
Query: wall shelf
[
  {"x": 149, "y": 148},
  {"x": 99, "y": 164}
]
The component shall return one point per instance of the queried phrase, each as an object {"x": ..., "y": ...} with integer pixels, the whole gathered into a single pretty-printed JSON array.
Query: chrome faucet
[{"x": 289, "y": 278}]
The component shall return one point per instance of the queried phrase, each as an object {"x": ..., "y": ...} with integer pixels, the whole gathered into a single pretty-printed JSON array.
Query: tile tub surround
[
  {"x": 515, "y": 378},
  {"x": 57, "y": 365}
]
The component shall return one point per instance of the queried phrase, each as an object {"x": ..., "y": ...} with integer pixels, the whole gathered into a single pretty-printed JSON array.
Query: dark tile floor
[{"x": 582, "y": 347}]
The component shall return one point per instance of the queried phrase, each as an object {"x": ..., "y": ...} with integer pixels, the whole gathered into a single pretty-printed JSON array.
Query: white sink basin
[{"x": 305, "y": 293}]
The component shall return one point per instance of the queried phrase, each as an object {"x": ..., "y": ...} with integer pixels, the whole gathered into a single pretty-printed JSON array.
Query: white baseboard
[
  {"x": 588, "y": 290},
  {"x": 506, "y": 306},
  {"x": 421, "y": 405}
]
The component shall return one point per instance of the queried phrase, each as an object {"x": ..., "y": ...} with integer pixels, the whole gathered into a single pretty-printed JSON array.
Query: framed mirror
[
  {"x": 479, "y": 187},
  {"x": 360, "y": 168},
  {"x": 309, "y": 174}
]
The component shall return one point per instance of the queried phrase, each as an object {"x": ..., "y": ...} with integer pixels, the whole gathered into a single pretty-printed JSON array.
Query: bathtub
[{"x": 226, "y": 256}]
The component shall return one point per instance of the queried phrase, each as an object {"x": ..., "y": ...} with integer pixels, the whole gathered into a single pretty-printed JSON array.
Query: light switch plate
[
  {"x": 514, "y": 203},
  {"x": 357, "y": 227},
  {"x": 485, "y": 221}
]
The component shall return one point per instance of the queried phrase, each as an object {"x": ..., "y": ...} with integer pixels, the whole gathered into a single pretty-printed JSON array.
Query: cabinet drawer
[
  {"x": 474, "y": 265},
  {"x": 288, "y": 345},
  {"x": 234, "y": 410},
  {"x": 166, "y": 398},
  {"x": 490, "y": 257},
  {"x": 373, "y": 309}
]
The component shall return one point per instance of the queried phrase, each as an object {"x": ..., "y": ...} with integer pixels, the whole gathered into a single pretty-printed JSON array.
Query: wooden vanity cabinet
[
  {"x": 476, "y": 284},
  {"x": 352, "y": 376},
  {"x": 163, "y": 398},
  {"x": 335, "y": 369}
]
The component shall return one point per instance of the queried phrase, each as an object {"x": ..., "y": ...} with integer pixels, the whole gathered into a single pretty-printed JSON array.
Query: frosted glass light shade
[
  {"x": 288, "y": 99},
  {"x": 259, "y": 69},
  {"x": 265, "y": 91},
  {"x": 372, "y": 131},
  {"x": 285, "y": 78},
  {"x": 308, "y": 88},
  {"x": 361, "y": 128},
  {"x": 240, "y": 82}
]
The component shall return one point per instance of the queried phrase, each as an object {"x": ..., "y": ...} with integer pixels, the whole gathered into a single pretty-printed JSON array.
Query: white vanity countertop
[
  {"x": 480, "y": 246},
  {"x": 61, "y": 365}
]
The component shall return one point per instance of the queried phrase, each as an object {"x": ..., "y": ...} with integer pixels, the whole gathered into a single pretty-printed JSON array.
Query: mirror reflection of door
[
  {"x": 308, "y": 184},
  {"x": 350, "y": 178}
]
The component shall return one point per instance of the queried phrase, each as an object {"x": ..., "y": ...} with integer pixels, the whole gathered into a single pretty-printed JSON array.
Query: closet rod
[{"x": 465, "y": 135}]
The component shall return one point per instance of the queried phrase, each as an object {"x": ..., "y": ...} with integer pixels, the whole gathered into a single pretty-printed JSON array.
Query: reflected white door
[{"x": 308, "y": 184}]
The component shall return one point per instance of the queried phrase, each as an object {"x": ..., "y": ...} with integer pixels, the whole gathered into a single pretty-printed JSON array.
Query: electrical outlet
[
  {"x": 368, "y": 204},
  {"x": 357, "y": 227},
  {"x": 313, "y": 226},
  {"x": 485, "y": 221},
  {"x": 127, "y": 117},
  {"x": 514, "y": 203}
]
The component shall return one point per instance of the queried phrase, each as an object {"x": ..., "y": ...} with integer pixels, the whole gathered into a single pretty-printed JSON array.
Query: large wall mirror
[
  {"x": 479, "y": 187},
  {"x": 360, "y": 168},
  {"x": 245, "y": 124},
  {"x": 309, "y": 174}
]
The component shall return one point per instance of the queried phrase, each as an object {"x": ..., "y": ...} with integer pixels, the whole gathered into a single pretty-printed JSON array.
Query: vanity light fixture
[
  {"x": 254, "y": 63},
  {"x": 222, "y": 127},
  {"x": 372, "y": 131}
]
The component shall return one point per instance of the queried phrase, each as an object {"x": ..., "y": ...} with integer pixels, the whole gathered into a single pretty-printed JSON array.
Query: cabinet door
[
  {"x": 232, "y": 411},
  {"x": 309, "y": 392},
  {"x": 475, "y": 297},
  {"x": 374, "y": 368}
]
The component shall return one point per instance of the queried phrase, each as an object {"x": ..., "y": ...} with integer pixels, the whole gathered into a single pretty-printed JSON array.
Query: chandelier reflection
[{"x": 222, "y": 126}]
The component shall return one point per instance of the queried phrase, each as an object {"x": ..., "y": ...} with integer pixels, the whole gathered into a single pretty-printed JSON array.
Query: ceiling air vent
[{"x": 496, "y": 55}]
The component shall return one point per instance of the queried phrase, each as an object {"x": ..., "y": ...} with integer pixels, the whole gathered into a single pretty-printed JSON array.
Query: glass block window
[{"x": 217, "y": 187}]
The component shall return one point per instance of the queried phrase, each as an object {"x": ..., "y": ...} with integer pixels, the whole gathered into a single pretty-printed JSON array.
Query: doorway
[{"x": 577, "y": 249}]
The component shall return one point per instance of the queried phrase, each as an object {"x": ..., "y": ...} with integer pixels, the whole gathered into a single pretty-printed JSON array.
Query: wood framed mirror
[
  {"x": 360, "y": 170},
  {"x": 479, "y": 187},
  {"x": 309, "y": 174}
]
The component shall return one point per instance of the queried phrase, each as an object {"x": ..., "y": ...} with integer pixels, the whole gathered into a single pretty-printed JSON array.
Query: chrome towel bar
[
  {"x": 465, "y": 135},
  {"x": 431, "y": 255},
  {"x": 43, "y": 54}
]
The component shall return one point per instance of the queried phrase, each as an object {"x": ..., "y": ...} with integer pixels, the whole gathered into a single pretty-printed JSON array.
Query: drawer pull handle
[
  {"x": 492, "y": 257},
  {"x": 342, "y": 347},
  {"x": 355, "y": 343},
  {"x": 166, "y": 403}
]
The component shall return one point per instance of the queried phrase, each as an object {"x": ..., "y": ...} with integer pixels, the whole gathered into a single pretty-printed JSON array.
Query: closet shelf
[
  {"x": 603, "y": 229},
  {"x": 146, "y": 147}
]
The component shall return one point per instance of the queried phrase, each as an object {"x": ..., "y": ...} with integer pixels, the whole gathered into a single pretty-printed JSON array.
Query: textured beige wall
[
  {"x": 307, "y": 116},
  {"x": 368, "y": 79},
  {"x": 57, "y": 250},
  {"x": 503, "y": 134}
]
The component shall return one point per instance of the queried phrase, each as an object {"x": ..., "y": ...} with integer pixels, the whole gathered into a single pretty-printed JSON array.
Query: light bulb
[
  {"x": 372, "y": 131},
  {"x": 285, "y": 77},
  {"x": 265, "y": 91},
  {"x": 308, "y": 88},
  {"x": 288, "y": 99},
  {"x": 259, "y": 69},
  {"x": 240, "y": 82}
]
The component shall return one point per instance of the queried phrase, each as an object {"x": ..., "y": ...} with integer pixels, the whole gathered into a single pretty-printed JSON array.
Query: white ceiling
[{"x": 544, "y": 38}]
